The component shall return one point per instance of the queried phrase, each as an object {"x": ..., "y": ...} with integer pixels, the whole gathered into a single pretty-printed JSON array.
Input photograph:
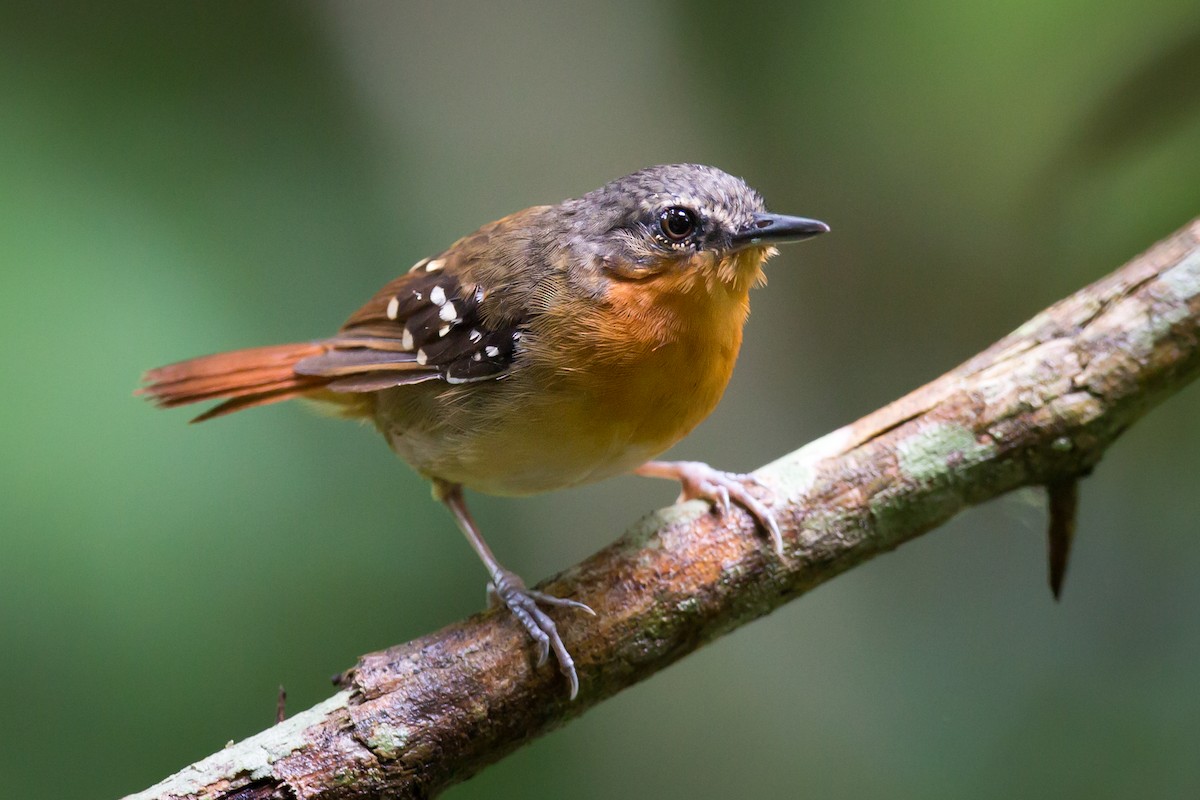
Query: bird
[{"x": 554, "y": 347}]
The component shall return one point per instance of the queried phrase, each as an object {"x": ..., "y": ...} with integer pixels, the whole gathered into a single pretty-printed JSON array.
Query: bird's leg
[
  {"x": 508, "y": 588},
  {"x": 700, "y": 481}
]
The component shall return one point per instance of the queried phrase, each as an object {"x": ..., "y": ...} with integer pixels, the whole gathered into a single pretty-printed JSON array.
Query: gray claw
[
  {"x": 523, "y": 603},
  {"x": 723, "y": 499},
  {"x": 551, "y": 600},
  {"x": 723, "y": 488}
]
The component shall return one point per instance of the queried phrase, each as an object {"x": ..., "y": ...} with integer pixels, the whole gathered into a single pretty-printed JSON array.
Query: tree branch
[{"x": 1037, "y": 408}]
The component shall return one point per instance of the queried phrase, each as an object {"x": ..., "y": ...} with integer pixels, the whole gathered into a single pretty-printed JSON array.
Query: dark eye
[{"x": 677, "y": 223}]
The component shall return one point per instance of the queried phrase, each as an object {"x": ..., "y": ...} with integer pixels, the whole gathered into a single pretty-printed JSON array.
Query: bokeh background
[{"x": 183, "y": 178}]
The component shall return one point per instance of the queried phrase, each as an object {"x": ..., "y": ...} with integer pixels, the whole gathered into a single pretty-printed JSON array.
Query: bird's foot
[
  {"x": 508, "y": 588},
  {"x": 722, "y": 489}
]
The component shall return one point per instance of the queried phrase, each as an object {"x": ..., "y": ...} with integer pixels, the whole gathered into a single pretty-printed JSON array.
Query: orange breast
[
  {"x": 602, "y": 388},
  {"x": 663, "y": 359},
  {"x": 620, "y": 383}
]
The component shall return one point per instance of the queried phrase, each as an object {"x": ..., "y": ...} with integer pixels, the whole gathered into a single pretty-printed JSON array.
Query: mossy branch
[{"x": 1038, "y": 408}]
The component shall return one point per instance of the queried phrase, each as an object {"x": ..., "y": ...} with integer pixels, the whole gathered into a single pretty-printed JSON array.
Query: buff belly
[
  {"x": 512, "y": 440},
  {"x": 595, "y": 393}
]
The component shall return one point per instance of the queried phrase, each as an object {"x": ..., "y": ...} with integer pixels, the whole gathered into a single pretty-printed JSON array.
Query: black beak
[{"x": 777, "y": 229}]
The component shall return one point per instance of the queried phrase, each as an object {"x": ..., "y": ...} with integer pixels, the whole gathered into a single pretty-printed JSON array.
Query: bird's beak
[{"x": 768, "y": 229}]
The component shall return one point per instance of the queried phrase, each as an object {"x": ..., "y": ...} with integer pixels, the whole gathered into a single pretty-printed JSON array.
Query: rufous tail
[{"x": 241, "y": 378}]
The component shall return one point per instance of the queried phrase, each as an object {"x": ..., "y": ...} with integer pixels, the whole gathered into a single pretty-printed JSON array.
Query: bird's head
[{"x": 688, "y": 225}]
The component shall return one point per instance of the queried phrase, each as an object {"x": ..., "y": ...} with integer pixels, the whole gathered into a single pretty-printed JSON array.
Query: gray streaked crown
[{"x": 725, "y": 203}]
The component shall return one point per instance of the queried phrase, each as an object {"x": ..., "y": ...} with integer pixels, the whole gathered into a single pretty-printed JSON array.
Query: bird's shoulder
[
  {"x": 457, "y": 316},
  {"x": 495, "y": 264}
]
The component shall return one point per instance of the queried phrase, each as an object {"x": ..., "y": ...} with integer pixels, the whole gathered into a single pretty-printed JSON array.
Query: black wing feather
[{"x": 426, "y": 325}]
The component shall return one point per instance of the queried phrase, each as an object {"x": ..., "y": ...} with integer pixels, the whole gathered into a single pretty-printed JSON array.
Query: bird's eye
[{"x": 677, "y": 223}]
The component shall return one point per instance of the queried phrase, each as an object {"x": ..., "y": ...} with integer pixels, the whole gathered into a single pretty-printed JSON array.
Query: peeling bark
[{"x": 1038, "y": 408}]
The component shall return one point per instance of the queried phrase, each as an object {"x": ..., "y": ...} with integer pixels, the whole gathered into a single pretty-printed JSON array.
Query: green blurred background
[{"x": 183, "y": 178}]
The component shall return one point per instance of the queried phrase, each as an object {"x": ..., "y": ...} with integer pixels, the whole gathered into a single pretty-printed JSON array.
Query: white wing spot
[
  {"x": 393, "y": 307},
  {"x": 492, "y": 351},
  {"x": 418, "y": 265},
  {"x": 442, "y": 331},
  {"x": 448, "y": 313},
  {"x": 421, "y": 357},
  {"x": 406, "y": 341},
  {"x": 435, "y": 265},
  {"x": 474, "y": 336},
  {"x": 437, "y": 295},
  {"x": 477, "y": 357}
]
